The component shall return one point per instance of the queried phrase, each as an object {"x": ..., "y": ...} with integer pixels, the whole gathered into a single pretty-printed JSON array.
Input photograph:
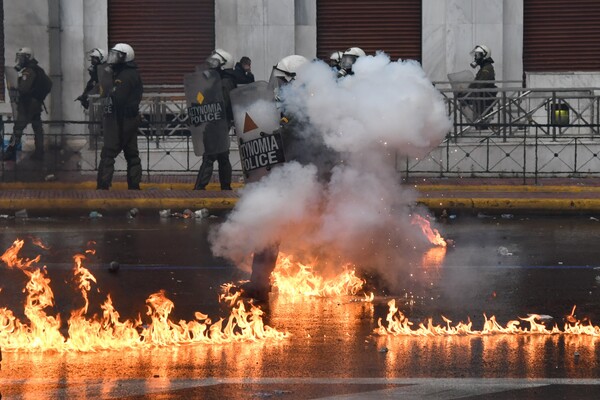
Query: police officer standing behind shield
[
  {"x": 33, "y": 86},
  {"x": 221, "y": 61},
  {"x": 121, "y": 119}
]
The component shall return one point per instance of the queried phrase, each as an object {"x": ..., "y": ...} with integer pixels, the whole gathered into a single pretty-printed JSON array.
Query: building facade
[{"x": 536, "y": 43}]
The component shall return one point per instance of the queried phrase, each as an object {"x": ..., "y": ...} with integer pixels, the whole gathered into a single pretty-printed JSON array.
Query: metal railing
[{"x": 522, "y": 132}]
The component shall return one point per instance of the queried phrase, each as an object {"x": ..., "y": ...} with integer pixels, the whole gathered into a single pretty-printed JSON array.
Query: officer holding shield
[
  {"x": 221, "y": 61},
  {"x": 264, "y": 261},
  {"x": 121, "y": 118}
]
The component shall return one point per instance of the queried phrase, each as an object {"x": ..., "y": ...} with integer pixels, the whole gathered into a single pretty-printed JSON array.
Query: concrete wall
[
  {"x": 25, "y": 24},
  {"x": 263, "y": 30},
  {"x": 267, "y": 30},
  {"x": 452, "y": 28}
]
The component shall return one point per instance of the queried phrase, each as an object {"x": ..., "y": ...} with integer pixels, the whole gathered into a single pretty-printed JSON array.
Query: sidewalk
[{"x": 512, "y": 195}]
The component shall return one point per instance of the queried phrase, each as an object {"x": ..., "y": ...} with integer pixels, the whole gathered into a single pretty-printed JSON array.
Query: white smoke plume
[{"x": 361, "y": 212}]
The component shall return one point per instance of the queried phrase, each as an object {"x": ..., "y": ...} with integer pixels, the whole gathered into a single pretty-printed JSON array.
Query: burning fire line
[
  {"x": 295, "y": 279},
  {"x": 399, "y": 325},
  {"x": 108, "y": 332}
]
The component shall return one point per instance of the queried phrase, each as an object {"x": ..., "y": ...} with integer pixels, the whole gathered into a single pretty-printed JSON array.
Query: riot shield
[
  {"x": 460, "y": 80},
  {"x": 206, "y": 112},
  {"x": 256, "y": 124},
  {"x": 12, "y": 84},
  {"x": 105, "y": 80}
]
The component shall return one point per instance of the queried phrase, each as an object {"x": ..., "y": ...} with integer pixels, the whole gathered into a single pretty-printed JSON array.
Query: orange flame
[
  {"x": 296, "y": 279},
  {"x": 399, "y": 325},
  {"x": 432, "y": 234},
  {"x": 11, "y": 259},
  {"x": 107, "y": 331}
]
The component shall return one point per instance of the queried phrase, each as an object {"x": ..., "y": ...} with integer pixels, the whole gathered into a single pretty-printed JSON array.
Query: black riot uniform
[
  {"x": 121, "y": 121},
  {"x": 29, "y": 111},
  {"x": 484, "y": 100},
  {"x": 228, "y": 83},
  {"x": 89, "y": 86}
]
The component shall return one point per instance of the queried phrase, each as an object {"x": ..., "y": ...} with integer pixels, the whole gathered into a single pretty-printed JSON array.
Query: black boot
[
  {"x": 10, "y": 154},
  {"x": 37, "y": 155}
]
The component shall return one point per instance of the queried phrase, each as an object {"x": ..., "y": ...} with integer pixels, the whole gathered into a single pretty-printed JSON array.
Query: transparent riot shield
[
  {"x": 257, "y": 128},
  {"x": 206, "y": 112},
  {"x": 12, "y": 85}
]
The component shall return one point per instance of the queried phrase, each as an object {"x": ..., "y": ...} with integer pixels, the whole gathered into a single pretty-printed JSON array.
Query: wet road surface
[{"x": 507, "y": 267}]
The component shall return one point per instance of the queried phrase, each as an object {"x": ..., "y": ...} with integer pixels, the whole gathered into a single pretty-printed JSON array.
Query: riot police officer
[
  {"x": 264, "y": 261},
  {"x": 482, "y": 58},
  {"x": 222, "y": 61},
  {"x": 348, "y": 59},
  {"x": 33, "y": 86},
  {"x": 121, "y": 118},
  {"x": 334, "y": 60},
  {"x": 96, "y": 58}
]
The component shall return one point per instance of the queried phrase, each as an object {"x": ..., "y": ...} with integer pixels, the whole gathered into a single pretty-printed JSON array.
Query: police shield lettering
[
  {"x": 256, "y": 124},
  {"x": 206, "y": 112},
  {"x": 264, "y": 152},
  {"x": 200, "y": 113}
]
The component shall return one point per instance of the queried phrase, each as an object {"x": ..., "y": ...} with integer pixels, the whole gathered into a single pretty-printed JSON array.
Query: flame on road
[
  {"x": 397, "y": 324},
  {"x": 108, "y": 331},
  {"x": 293, "y": 279},
  {"x": 432, "y": 234}
]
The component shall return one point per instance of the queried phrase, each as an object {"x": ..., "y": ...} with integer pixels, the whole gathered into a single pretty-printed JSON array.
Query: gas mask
[
  {"x": 213, "y": 62},
  {"x": 115, "y": 57},
  {"x": 20, "y": 61},
  {"x": 477, "y": 59},
  {"x": 347, "y": 62}
]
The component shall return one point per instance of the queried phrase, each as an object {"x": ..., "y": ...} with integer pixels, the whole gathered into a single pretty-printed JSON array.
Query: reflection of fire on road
[{"x": 43, "y": 332}]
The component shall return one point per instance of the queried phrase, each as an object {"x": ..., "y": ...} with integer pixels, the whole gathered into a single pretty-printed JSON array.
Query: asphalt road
[{"x": 507, "y": 267}]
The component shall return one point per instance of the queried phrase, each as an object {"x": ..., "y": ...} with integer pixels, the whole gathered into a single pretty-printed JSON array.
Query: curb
[{"x": 69, "y": 196}]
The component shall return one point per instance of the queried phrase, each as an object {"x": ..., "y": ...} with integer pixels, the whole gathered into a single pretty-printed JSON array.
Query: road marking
[{"x": 411, "y": 388}]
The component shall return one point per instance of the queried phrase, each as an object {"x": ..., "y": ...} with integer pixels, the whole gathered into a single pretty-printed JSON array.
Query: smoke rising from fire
[{"x": 360, "y": 212}]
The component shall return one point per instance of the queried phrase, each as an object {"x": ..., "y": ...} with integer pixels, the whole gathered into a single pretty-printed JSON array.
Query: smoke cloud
[{"x": 360, "y": 213}]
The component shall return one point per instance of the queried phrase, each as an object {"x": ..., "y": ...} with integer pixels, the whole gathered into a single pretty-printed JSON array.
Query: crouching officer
[
  {"x": 121, "y": 118},
  {"x": 33, "y": 86}
]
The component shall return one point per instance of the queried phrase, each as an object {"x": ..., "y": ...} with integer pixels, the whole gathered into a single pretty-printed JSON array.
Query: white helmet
[
  {"x": 220, "y": 59},
  {"x": 287, "y": 67},
  {"x": 482, "y": 49},
  {"x": 355, "y": 51},
  {"x": 96, "y": 53},
  {"x": 335, "y": 57},
  {"x": 350, "y": 56},
  {"x": 120, "y": 53},
  {"x": 25, "y": 52}
]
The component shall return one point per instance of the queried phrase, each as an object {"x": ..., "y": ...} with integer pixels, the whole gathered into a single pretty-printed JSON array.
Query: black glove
[{"x": 84, "y": 101}]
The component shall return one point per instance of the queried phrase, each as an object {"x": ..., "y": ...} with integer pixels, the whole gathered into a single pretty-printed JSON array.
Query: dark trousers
[
  {"x": 206, "y": 171},
  {"x": 263, "y": 264},
  {"x": 28, "y": 112},
  {"x": 120, "y": 134}
]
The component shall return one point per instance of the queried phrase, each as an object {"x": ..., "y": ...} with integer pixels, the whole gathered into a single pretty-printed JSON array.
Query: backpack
[{"x": 43, "y": 84}]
